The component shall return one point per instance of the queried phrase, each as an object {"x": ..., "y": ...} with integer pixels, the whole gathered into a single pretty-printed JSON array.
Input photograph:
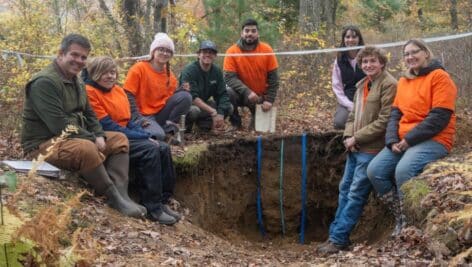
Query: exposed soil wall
[{"x": 219, "y": 187}]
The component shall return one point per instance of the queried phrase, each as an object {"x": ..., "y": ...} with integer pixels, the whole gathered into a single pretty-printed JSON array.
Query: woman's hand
[
  {"x": 400, "y": 147},
  {"x": 350, "y": 144}
]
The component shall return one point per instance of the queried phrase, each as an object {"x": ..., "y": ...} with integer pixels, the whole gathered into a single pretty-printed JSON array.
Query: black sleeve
[
  {"x": 434, "y": 123},
  {"x": 273, "y": 85},
  {"x": 391, "y": 135},
  {"x": 134, "y": 108},
  {"x": 233, "y": 81}
]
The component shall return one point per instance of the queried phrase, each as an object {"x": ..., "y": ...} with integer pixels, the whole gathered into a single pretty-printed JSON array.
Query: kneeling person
[
  {"x": 210, "y": 104},
  {"x": 152, "y": 159},
  {"x": 364, "y": 138}
]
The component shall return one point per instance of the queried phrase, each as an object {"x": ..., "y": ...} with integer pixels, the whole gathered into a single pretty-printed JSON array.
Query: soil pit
[{"x": 218, "y": 183}]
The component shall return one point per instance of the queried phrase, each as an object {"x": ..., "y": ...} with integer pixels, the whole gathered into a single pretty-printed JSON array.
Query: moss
[
  {"x": 415, "y": 191},
  {"x": 191, "y": 157}
]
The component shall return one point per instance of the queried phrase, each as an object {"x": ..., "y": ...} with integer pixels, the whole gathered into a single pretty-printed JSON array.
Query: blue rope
[
  {"x": 258, "y": 199},
  {"x": 302, "y": 228},
  {"x": 281, "y": 188}
]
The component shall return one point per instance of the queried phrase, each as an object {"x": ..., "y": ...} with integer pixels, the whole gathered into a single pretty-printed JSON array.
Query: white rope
[{"x": 18, "y": 55}]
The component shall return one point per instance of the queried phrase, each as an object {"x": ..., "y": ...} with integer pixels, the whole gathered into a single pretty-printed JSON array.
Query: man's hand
[
  {"x": 266, "y": 106},
  {"x": 100, "y": 143},
  {"x": 218, "y": 122},
  {"x": 253, "y": 98},
  {"x": 185, "y": 86}
]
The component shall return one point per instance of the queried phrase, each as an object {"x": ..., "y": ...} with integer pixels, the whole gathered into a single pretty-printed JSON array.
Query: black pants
[
  {"x": 240, "y": 100},
  {"x": 154, "y": 171}
]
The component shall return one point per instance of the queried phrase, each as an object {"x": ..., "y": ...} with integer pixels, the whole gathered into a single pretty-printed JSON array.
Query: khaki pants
[{"x": 82, "y": 155}]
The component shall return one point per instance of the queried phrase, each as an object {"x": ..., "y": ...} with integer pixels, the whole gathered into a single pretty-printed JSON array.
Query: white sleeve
[{"x": 338, "y": 87}]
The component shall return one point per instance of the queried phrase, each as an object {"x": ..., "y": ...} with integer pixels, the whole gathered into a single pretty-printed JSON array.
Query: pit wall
[{"x": 219, "y": 183}]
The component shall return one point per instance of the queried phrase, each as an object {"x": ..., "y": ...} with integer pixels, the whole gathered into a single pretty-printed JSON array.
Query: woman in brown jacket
[{"x": 363, "y": 139}]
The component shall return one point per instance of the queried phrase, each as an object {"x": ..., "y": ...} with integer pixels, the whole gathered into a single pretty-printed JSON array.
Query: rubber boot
[
  {"x": 117, "y": 166},
  {"x": 102, "y": 184},
  {"x": 395, "y": 206},
  {"x": 400, "y": 218}
]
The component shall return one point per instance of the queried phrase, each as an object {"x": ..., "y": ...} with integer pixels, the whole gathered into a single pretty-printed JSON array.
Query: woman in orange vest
[
  {"x": 151, "y": 159},
  {"x": 421, "y": 127},
  {"x": 151, "y": 86}
]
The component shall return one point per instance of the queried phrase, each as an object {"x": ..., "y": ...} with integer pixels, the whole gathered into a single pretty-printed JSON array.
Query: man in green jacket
[
  {"x": 55, "y": 99},
  {"x": 210, "y": 100}
]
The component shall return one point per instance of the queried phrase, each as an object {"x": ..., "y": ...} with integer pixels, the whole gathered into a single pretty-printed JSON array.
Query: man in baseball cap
[{"x": 210, "y": 100}]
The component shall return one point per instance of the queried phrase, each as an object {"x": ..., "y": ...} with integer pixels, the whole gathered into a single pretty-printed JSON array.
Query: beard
[{"x": 247, "y": 41}]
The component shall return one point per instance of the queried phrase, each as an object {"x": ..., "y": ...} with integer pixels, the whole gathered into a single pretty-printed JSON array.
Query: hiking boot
[
  {"x": 161, "y": 217},
  {"x": 329, "y": 247},
  {"x": 171, "y": 128},
  {"x": 170, "y": 212}
]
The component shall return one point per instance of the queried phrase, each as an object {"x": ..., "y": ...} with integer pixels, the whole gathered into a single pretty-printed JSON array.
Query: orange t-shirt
[
  {"x": 114, "y": 104},
  {"x": 149, "y": 87},
  {"x": 251, "y": 70},
  {"x": 416, "y": 97}
]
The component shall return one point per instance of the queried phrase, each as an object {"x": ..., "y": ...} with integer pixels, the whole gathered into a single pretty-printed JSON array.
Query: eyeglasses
[
  {"x": 412, "y": 52},
  {"x": 164, "y": 50}
]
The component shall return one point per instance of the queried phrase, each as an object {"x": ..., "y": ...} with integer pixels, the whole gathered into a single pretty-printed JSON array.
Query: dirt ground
[{"x": 216, "y": 192}]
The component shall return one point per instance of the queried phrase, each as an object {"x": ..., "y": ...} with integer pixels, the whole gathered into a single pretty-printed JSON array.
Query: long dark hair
[{"x": 354, "y": 29}]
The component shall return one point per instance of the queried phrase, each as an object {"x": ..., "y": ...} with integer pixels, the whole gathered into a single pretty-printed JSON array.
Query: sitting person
[
  {"x": 346, "y": 73},
  {"x": 54, "y": 99},
  {"x": 151, "y": 159},
  {"x": 151, "y": 86},
  {"x": 420, "y": 130},
  {"x": 364, "y": 138},
  {"x": 210, "y": 100}
]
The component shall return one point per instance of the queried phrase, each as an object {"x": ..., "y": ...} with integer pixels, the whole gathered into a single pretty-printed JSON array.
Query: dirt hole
[{"x": 220, "y": 188}]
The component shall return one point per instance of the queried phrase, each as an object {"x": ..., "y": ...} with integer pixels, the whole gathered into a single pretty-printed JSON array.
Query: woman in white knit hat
[{"x": 151, "y": 86}]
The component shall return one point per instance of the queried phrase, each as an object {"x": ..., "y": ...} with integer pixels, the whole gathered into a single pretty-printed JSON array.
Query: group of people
[
  {"x": 392, "y": 129},
  {"x": 120, "y": 132}
]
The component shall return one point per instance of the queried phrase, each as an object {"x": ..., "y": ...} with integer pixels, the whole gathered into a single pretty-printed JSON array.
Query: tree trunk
[
  {"x": 114, "y": 24},
  {"x": 453, "y": 12},
  {"x": 131, "y": 14},
  {"x": 160, "y": 16},
  {"x": 57, "y": 12},
  {"x": 314, "y": 15}
]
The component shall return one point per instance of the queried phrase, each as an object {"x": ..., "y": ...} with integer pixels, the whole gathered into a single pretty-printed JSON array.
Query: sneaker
[
  {"x": 161, "y": 217},
  {"x": 171, "y": 212},
  {"x": 329, "y": 247}
]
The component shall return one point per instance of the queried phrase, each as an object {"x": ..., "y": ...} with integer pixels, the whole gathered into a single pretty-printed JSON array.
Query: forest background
[
  {"x": 125, "y": 28},
  {"x": 30, "y": 32}
]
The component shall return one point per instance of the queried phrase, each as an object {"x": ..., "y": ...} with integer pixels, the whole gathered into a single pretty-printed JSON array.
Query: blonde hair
[
  {"x": 98, "y": 66},
  {"x": 421, "y": 45}
]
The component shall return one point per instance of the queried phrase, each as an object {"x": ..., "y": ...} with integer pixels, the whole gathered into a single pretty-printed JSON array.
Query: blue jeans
[
  {"x": 354, "y": 190},
  {"x": 389, "y": 169}
]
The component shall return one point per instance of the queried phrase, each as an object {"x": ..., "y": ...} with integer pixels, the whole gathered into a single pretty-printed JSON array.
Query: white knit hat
[{"x": 161, "y": 40}]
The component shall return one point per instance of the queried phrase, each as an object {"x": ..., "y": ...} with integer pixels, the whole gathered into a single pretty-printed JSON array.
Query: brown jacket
[{"x": 367, "y": 124}]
